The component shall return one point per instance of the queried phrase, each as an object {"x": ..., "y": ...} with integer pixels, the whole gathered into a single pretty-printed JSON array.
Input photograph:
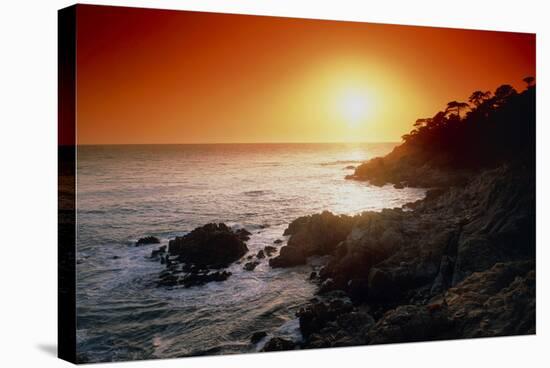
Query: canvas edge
[{"x": 66, "y": 310}]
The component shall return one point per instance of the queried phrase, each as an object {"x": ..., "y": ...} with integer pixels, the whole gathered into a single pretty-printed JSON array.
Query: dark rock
[
  {"x": 277, "y": 241},
  {"x": 115, "y": 257},
  {"x": 447, "y": 237},
  {"x": 243, "y": 234},
  {"x": 260, "y": 254},
  {"x": 381, "y": 285},
  {"x": 460, "y": 264},
  {"x": 157, "y": 252},
  {"x": 318, "y": 234},
  {"x": 398, "y": 186},
  {"x": 327, "y": 285},
  {"x": 405, "y": 164},
  {"x": 378, "y": 182},
  {"x": 257, "y": 337},
  {"x": 357, "y": 321},
  {"x": 147, "y": 240},
  {"x": 312, "y": 235},
  {"x": 314, "y": 317},
  {"x": 288, "y": 257},
  {"x": 496, "y": 302},
  {"x": 358, "y": 288},
  {"x": 313, "y": 275},
  {"x": 324, "y": 272},
  {"x": 433, "y": 194},
  {"x": 348, "y": 329},
  {"x": 409, "y": 323},
  {"x": 444, "y": 277},
  {"x": 279, "y": 344},
  {"x": 212, "y": 245},
  {"x": 350, "y": 167},
  {"x": 250, "y": 266},
  {"x": 201, "y": 279},
  {"x": 195, "y": 278},
  {"x": 169, "y": 279},
  {"x": 270, "y": 250}
]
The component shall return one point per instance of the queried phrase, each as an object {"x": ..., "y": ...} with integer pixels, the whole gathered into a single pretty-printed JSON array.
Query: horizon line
[{"x": 218, "y": 143}]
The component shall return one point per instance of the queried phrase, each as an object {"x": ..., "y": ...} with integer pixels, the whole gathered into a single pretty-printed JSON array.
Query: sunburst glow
[{"x": 354, "y": 106}]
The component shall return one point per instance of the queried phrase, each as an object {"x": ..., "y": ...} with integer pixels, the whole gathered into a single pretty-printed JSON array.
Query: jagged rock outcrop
[
  {"x": 444, "y": 240},
  {"x": 257, "y": 336},
  {"x": 496, "y": 302},
  {"x": 210, "y": 246},
  {"x": 459, "y": 264},
  {"x": 312, "y": 235},
  {"x": 195, "y": 259},
  {"x": 279, "y": 344},
  {"x": 408, "y": 167},
  {"x": 147, "y": 240},
  {"x": 195, "y": 278},
  {"x": 250, "y": 266}
]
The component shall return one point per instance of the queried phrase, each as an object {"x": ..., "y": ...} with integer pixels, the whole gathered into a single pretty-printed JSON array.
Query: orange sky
[{"x": 154, "y": 76}]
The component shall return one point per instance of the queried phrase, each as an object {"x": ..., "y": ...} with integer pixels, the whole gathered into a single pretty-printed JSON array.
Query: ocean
[{"x": 129, "y": 191}]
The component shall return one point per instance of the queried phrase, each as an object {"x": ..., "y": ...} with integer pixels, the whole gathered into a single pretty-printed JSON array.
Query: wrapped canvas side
[{"x": 66, "y": 184}]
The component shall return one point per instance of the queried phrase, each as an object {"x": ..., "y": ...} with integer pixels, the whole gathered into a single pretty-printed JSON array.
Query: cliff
[{"x": 459, "y": 263}]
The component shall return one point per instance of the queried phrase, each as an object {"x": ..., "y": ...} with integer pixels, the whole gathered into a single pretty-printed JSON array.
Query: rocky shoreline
[
  {"x": 458, "y": 264},
  {"x": 204, "y": 254}
]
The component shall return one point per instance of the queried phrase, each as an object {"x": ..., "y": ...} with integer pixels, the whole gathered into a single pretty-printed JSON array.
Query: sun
[{"x": 354, "y": 105}]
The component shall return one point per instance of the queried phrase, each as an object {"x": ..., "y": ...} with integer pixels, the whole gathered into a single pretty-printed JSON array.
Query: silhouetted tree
[
  {"x": 530, "y": 81},
  {"x": 478, "y": 97},
  {"x": 455, "y": 105},
  {"x": 421, "y": 122},
  {"x": 439, "y": 119},
  {"x": 504, "y": 91},
  {"x": 498, "y": 127}
]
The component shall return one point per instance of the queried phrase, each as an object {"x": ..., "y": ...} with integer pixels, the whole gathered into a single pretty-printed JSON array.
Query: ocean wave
[{"x": 123, "y": 315}]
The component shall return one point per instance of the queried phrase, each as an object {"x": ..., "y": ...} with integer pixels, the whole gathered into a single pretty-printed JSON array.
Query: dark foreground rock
[
  {"x": 312, "y": 235},
  {"x": 195, "y": 259},
  {"x": 497, "y": 302},
  {"x": 317, "y": 315},
  {"x": 192, "y": 279},
  {"x": 243, "y": 234},
  {"x": 155, "y": 253},
  {"x": 459, "y": 264},
  {"x": 147, "y": 240},
  {"x": 289, "y": 256},
  {"x": 408, "y": 166},
  {"x": 250, "y": 266},
  {"x": 279, "y": 344},
  {"x": 257, "y": 336},
  {"x": 211, "y": 246},
  {"x": 269, "y": 250}
]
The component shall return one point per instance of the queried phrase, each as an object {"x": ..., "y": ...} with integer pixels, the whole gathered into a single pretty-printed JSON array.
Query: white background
[{"x": 28, "y": 182}]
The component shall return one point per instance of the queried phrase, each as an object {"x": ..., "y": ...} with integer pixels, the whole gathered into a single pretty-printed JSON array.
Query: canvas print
[{"x": 241, "y": 184}]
